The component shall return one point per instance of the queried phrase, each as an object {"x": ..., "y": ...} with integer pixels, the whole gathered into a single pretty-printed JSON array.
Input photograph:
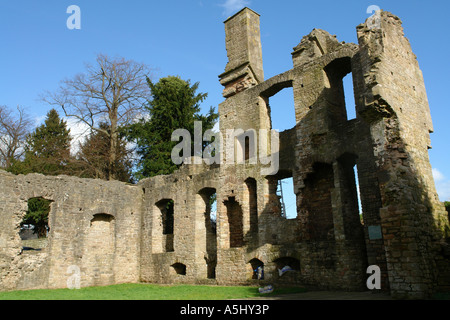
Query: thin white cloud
[
  {"x": 443, "y": 190},
  {"x": 78, "y": 131},
  {"x": 39, "y": 120},
  {"x": 442, "y": 185},
  {"x": 437, "y": 175},
  {"x": 232, "y": 6}
]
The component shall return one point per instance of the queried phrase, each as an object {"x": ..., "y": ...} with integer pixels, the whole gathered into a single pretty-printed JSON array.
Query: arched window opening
[
  {"x": 34, "y": 226},
  {"x": 102, "y": 217},
  {"x": 166, "y": 208},
  {"x": 347, "y": 173},
  {"x": 98, "y": 256},
  {"x": 179, "y": 268},
  {"x": 257, "y": 269},
  {"x": 286, "y": 264},
  {"x": 281, "y": 188},
  {"x": 349, "y": 96},
  {"x": 316, "y": 203},
  {"x": 36, "y": 217},
  {"x": 246, "y": 146},
  {"x": 358, "y": 193},
  {"x": 340, "y": 93},
  {"x": 252, "y": 204},
  {"x": 235, "y": 222},
  {"x": 207, "y": 203},
  {"x": 211, "y": 212},
  {"x": 281, "y": 107},
  {"x": 287, "y": 197}
]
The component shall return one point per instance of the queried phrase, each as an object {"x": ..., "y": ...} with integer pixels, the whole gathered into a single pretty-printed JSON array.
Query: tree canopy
[
  {"x": 174, "y": 104},
  {"x": 14, "y": 129},
  {"x": 47, "y": 149},
  {"x": 94, "y": 153},
  {"x": 124, "y": 111},
  {"x": 112, "y": 91},
  {"x": 37, "y": 215}
]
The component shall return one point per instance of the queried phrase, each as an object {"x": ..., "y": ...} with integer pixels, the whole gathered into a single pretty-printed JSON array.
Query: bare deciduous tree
[
  {"x": 113, "y": 91},
  {"x": 13, "y": 132}
]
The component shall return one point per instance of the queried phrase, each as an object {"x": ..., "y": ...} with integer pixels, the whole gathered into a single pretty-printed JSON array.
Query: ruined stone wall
[
  {"x": 94, "y": 225},
  {"x": 193, "y": 241},
  {"x": 393, "y": 103},
  {"x": 320, "y": 62},
  {"x": 404, "y": 224},
  {"x": 160, "y": 230}
]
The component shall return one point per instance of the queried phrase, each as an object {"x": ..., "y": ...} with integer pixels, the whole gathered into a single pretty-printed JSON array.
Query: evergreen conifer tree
[
  {"x": 175, "y": 104},
  {"x": 47, "y": 149}
]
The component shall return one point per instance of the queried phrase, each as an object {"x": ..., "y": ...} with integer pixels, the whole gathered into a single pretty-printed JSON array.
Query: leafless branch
[
  {"x": 113, "y": 91},
  {"x": 13, "y": 131}
]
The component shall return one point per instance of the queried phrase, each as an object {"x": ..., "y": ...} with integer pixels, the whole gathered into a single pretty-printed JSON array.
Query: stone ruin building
[{"x": 160, "y": 230}]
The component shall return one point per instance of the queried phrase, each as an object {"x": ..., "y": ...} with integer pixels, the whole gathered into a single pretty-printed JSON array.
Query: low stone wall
[{"x": 84, "y": 213}]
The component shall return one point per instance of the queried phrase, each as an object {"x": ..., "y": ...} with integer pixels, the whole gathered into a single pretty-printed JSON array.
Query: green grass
[{"x": 145, "y": 292}]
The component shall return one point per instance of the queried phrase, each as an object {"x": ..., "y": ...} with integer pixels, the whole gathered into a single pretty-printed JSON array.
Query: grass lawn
[{"x": 145, "y": 292}]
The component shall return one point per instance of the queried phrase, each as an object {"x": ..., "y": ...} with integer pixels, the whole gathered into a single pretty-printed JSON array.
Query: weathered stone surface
[
  {"x": 94, "y": 225},
  {"x": 160, "y": 229}
]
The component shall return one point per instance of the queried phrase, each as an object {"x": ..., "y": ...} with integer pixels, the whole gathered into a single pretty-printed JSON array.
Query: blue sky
[{"x": 187, "y": 38}]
